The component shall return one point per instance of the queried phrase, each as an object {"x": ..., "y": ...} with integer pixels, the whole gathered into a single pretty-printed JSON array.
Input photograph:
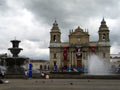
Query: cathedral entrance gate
[{"x": 65, "y": 64}]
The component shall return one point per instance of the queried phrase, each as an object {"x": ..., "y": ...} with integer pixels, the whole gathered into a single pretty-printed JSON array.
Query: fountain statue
[{"x": 15, "y": 50}]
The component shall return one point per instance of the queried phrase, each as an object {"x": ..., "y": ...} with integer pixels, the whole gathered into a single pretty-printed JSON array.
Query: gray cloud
[
  {"x": 3, "y": 6},
  {"x": 72, "y": 9},
  {"x": 72, "y": 13}
]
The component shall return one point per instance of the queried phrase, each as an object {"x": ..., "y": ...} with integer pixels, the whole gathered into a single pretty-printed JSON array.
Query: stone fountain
[{"x": 15, "y": 63}]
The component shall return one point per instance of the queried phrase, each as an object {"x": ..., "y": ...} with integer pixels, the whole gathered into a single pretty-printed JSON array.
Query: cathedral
[{"x": 75, "y": 53}]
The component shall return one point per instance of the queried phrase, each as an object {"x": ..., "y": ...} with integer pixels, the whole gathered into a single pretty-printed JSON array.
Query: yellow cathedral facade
[{"x": 76, "y": 52}]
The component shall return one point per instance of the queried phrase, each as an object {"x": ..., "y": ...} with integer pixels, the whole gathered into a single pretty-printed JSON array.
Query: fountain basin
[{"x": 15, "y": 51}]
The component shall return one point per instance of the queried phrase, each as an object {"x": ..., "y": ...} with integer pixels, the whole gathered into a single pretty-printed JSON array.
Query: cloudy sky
[{"x": 31, "y": 20}]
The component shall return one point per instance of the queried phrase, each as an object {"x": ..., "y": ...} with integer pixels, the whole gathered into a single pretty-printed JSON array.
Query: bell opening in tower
[
  {"x": 54, "y": 38},
  {"x": 104, "y": 36}
]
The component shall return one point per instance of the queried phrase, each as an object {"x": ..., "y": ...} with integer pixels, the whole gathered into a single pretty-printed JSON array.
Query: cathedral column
[
  {"x": 75, "y": 59},
  {"x": 73, "y": 64},
  {"x": 62, "y": 61},
  {"x": 70, "y": 60}
]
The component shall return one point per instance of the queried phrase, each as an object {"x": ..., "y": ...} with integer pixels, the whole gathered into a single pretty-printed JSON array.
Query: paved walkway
[{"x": 61, "y": 84}]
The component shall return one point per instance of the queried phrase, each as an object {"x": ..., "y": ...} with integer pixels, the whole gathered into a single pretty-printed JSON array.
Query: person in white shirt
[
  {"x": 26, "y": 74},
  {"x": 3, "y": 74}
]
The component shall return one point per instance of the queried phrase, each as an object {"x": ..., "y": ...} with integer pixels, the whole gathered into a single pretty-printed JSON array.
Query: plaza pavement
[{"x": 61, "y": 84}]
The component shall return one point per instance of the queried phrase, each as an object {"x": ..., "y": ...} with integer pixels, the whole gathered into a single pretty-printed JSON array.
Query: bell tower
[
  {"x": 55, "y": 34},
  {"x": 104, "y": 42},
  {"x": 103, "y": 32},
  {"x": 55, "y": 41}
]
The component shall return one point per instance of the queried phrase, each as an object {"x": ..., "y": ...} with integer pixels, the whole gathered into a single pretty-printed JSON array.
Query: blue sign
[
  {"x": 77, "y": 69},
  {"x": 55, "y": 68},
  {"x": 30, "y": 70}
]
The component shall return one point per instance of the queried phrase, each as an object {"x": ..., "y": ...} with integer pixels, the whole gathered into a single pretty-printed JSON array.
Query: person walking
[
  {"x": 0, "y": 74},
  {"x": 1, "y": 81},
  {"x": 3, "y": 74},
  {"x": 26, "y": 74},
  {"x": 42, "y": 75}
]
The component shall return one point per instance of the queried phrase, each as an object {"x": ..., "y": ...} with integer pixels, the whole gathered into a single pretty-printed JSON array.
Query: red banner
[
  {"x": 93, "y": 49},
  {"x": 65, "y": 53}
]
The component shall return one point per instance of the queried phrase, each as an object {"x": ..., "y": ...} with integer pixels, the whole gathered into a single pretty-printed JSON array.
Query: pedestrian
[
  {"x": 3, "y": 74},
  {"x": 42, "y": 75},
  {"x": 1, "y": 81},
  {"x": 26, "y": 74},
  {"x": 47, "y": 76},
  {"x": 0, "y": 74}
]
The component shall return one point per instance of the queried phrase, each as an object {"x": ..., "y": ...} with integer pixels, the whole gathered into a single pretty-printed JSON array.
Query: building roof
[
  {"x": 115, "y": 56},
  {"x": 35, "y": 61}
]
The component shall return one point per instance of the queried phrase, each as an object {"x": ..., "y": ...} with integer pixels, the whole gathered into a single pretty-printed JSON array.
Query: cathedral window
[
  {"x": 55, "y": 56},
  {"x": 78, "y": 39},
  {"x": 54, "y": 38},
  {"x": 104, "y": 36},
  {"x": 48, "y": 67},
  {"x": 40, "y": 67},
  {"x": 54, "y": 63}
]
